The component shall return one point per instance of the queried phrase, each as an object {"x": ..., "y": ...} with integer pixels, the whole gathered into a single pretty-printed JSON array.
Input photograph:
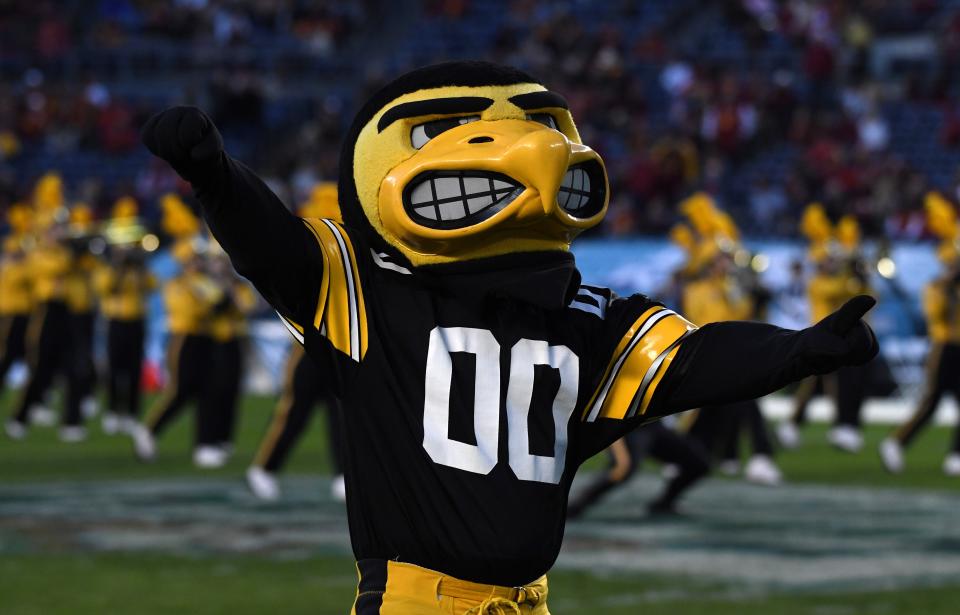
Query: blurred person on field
[
  {"x": 941, "y": 306},
  {"x": 302, "y": 392},
  {"x": 190, "y": 299},
  {"x": 840, "y": 272},
  {"x": 217, "y": 412},
  {"x": 50, "y": 332},
  {"x": 124, "y": 284},
  {"x": 16, "y": 288}
]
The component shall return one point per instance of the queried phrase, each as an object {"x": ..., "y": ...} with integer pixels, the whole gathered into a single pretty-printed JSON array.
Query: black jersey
[{"x": 469, "y": 409}]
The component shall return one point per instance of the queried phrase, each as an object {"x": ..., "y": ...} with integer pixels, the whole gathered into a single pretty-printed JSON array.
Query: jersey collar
[{"x": 546, "y": 280}]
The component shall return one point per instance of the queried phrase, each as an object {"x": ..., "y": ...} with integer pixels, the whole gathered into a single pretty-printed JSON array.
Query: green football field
[{"x": 86, "y": 529}]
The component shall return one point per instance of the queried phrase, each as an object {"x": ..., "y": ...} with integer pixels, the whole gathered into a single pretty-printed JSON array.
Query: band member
[
  {"x": 941, "y": 306},
  {"x": 717, "y": 295},
  {"x": 81, "y": 305},
  {"x": 190, "y": 299},
  {"x": 840, "y": 273},
  {"x": 626, "y": 455},
  {"x": 303, "y": 390},
  {"x": 124, "y": 283},
  {"x": 721, "y": 286},
  {"x": 217, "y": 412},
  {"x": 49, "y": 337},
  {"x": 16, "y": 289}
]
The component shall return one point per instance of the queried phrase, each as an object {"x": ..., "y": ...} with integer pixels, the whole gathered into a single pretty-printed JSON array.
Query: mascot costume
[{"x": 478, "y": 370}]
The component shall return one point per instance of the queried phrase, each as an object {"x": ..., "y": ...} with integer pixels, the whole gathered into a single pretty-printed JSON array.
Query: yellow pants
[{"x": 396, "y": 588}]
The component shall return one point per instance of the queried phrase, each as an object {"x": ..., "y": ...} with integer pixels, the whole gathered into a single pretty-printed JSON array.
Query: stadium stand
[{"x": 766, "y": 106}]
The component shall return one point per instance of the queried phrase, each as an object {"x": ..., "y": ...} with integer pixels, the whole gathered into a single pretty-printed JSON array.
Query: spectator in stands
[{"x": 768, "y": 203}]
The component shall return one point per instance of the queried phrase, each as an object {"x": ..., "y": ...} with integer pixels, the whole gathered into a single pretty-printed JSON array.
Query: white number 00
[{"x": 481, "y": 457}]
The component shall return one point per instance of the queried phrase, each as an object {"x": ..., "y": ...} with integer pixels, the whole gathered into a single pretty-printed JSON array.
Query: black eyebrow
[
  {"x": 539, "y": 100},
  {"x": 434, "y": 106}
]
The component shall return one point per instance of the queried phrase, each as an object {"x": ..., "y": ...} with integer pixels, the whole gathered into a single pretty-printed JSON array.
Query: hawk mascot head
[{"x": 469, "y": 160}]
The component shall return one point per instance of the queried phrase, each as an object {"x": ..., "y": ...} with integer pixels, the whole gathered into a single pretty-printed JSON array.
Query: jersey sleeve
[
  {"x": 340, "y": 314},
  {"x": 267, "y": 244},
  {"x": 640, "y": 340}
]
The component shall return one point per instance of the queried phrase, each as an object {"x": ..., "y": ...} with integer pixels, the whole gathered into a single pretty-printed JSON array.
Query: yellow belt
[
  {"x": 417, "y": 582},
  {"x": 494, "y": 599}
]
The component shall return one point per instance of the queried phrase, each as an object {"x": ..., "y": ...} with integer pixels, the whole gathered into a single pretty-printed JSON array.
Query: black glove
[
  {"x": 187, "y": 139},
  {"x": 840, "y": 339}
]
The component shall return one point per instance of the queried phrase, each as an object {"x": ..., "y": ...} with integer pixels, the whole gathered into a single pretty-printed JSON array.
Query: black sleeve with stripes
[
  {"x": 267, "y": 244},
  {"x": 730, "y": 361}
]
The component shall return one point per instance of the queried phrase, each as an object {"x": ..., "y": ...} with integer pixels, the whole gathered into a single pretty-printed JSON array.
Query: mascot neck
[{"x": 547, "y": 280}]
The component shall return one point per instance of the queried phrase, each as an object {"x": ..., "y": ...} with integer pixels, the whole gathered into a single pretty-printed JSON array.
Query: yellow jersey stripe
[
  {"x": 358, "y": 316},
  {"x": 335, "y": 315},
  {"x": 641, "y": 401},
  {"x": 637, "y": 370},
  {"x": 631, "y": 336},
  {"x": 641, "y": 365},
  {"x": 324, "y": 283},
  {"x": 345, "y": 323},
  {"x": 341, "y": 314}
]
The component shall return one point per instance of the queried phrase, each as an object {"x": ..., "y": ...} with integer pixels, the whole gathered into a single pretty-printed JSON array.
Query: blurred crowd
[
  {"x": 801, "y": 114},
  {"x": 50, "y": 30},
  {"x": 713, "y": 116}
]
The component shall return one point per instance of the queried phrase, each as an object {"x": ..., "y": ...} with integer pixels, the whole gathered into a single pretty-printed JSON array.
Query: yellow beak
[{"x": 532, "y": 163}]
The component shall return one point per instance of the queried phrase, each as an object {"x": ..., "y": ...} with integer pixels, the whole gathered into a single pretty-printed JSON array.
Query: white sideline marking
[{"x": 882, "y": 411}]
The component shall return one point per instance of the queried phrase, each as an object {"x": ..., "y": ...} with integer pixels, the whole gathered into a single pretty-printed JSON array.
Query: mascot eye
[
  {"x": 544, "y": 118},
  {"x": 421, "y": 133}
]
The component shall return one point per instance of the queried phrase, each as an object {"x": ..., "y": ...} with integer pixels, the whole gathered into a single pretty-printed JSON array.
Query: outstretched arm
[
  {"x": 731, "y": 361},
  {"x": 267, "y": 244}
]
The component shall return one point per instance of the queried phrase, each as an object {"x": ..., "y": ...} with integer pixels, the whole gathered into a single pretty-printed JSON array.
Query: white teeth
[
  {"x": 473, "y": 185},
  {"x": 447, "y": 187},
  {"x": 575, "y": 182},
  {"x": 421, "y": 194},
  {"x": 449, "y": 199},
  {"x": 451, "y": 211},
  {"x": 445, "y": 198},
  {"x": 427, "y": 212}
]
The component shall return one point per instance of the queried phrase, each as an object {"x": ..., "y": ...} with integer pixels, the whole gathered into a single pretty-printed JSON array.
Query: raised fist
[
  {"x": 841, "y": 339},
  {"x": 186, "y": 138}
]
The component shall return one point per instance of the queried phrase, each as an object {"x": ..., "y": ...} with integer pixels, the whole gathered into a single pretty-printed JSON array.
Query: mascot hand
[
  {"x": 186, "y": 138},
  {"x": 841, "y": 339}
]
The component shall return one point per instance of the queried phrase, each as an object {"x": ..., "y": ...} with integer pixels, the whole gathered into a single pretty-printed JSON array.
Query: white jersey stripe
[
  {"x": 578, "y": 302},
  {"x": 296, "y": 334},
  {"x": 378, "y": 259},
  {"x": 351, "y": 291}
]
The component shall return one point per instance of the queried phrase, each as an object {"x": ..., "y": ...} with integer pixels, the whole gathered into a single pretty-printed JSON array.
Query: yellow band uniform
[
  {"x": 49, "y": 265},
  {"x": 123, "y": 293},
  {"x": 78, "y": 284},
  {"x": 715, "y": 299},
  {"x": 189, "y": 300},
  {"x": 941, "y": 306},
  {"x": 827, "y": 292},
  {"x": 231, "y": 322},
  {"x": 16, "y": 283}
]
